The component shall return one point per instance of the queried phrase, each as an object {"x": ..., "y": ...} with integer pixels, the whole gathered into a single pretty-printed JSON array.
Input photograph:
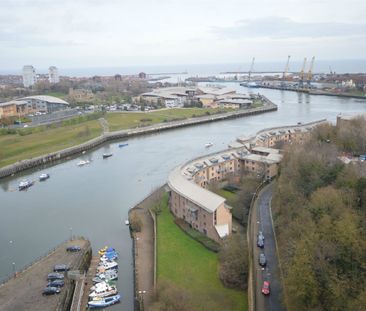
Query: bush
[
  {"x": 135, "y": 222},
  {"x": 198, "y": 236},
  {"x": 233, "y": 258}
]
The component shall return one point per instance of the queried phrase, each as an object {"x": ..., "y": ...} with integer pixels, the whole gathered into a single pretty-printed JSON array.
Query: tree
[{"x": 233, "y": 258}]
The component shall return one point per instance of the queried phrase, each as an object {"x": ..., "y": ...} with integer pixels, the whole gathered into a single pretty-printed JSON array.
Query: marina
[{"x": 121, "y": 182}]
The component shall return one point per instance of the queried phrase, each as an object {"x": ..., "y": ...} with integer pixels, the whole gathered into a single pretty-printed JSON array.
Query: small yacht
[
  {"x": 82, "y": 162},
  {"x": 127, "y": 223},
  {"x": 24, "y": 184},
  {"x": 208, "y": 145},
  {"x": 104, "y": 302},
  {"x": 107, "y": 265},
  {"x": 107, "y": 155},
  {"x": 104, "y": 292},
  {"x": 44, "y": 176}
]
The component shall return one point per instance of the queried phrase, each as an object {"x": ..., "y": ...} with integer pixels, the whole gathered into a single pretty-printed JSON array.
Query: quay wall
[{"x": 54, "y": 156}]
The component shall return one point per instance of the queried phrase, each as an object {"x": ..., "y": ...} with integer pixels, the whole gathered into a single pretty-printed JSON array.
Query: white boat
[
  {"x": 104, "y": 292},
  {"x": 107, "y": 265},
  {"x": 104, "y": 302},
  {"x": 24, "y": 184},
  {"x": 105, "y": 277},
  {"x": 110, "y": 258},
  {"x": 208, "y": 145},
  {"x": 102, "y": 286},
  {"x": 127, "y": 223},
  {"x": 44, "y": 176},
  {"x": 82, "y": 162},
  {"x": 107, "y": 274}
]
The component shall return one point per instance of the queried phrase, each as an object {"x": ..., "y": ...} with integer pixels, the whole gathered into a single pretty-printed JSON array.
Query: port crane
[
  {"x": 285, "y": 71},
  {"x": 302, "y": 74},
  {"x": 310, "y": 72}
]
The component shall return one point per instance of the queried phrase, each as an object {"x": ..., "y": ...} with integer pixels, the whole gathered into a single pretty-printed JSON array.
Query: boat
[
  {"x": 104, "y": 292},
  {"x": 82, "y": 162},
  {"x": 103, "y": 278},
  {"x": 107, "y": 155},
  {"x": 103, "y": 302},
  {"x": 44, "y": 176},
  {"x": 122, "y": 145},
  {"x": 24, "y": 184},
  {"x": 127, "y": 223},
  {"x": 109, "y": 257},
  {"x": 103, "y": 284},
  {"x": 107, "y": 265},
  {"x": 208, "y": 145},
  {"x": 103, "y": 250}
]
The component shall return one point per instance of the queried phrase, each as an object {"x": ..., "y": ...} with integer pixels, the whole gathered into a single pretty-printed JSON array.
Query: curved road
[{"x": 262, "y": 221}]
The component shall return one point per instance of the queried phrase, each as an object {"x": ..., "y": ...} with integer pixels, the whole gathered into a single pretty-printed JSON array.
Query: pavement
[
  {"x": 262, "y": 221},
  {"x": 144, "y": 251},
  {"x": 24, "y": 291}
]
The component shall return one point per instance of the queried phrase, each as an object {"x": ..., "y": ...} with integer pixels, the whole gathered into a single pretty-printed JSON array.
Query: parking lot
[{"x": 24, "y": 291}]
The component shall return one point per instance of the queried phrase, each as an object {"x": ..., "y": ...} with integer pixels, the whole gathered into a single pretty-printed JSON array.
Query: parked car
[
  {"x": 265, "y": 288},
  {"x": 61, "y": 268},
  {"x": 260, "y": 242},
  {"x": 260, "y": 235},
  {"x": 262, "y": 260},
  {"x": 55, "y": 276},
  {"x": 73, "y": 248},
  {"x": 51, "y": 291},
  {"x": 56, "y": 283}
]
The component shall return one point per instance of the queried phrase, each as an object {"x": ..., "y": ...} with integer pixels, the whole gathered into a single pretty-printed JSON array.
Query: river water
[{"x": 93, "y": 201}]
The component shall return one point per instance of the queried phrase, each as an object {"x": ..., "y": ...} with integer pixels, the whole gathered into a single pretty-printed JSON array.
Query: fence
[{"x": 27, "y": 266}]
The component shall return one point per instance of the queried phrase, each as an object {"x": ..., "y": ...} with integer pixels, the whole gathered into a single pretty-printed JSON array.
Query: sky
[{"x": 107, "y": 33}]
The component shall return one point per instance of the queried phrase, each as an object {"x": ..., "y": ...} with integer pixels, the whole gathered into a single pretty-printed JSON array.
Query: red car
[{"x": 265, "y": 288}]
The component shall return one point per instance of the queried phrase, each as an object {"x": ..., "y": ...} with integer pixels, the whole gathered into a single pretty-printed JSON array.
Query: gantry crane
[
  {"x": 310, "y": 72},
  {"x": 302, "y": 74},
  {"x": 285, "y": 71}
]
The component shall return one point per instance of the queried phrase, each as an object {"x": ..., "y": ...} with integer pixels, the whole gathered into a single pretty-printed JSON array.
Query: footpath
[{"x": 144, "y": 251}]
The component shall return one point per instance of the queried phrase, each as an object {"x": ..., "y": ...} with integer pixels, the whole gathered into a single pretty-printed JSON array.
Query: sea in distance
[{"x": 320, "y": 66}]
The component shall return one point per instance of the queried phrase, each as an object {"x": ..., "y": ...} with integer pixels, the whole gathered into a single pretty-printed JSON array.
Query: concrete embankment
[
  {"x": 23, "y": 291},
  {"x": 54, "y": 156},
  {"x": 312, "y": 91}
]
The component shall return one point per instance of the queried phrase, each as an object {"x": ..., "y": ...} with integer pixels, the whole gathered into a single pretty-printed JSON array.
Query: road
[{"x": 262, "y": 221}]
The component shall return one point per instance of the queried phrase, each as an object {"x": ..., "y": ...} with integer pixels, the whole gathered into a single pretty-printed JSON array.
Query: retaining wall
[{"x": 54, "y": 156}]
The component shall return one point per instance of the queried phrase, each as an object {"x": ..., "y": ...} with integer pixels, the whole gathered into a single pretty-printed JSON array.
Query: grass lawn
[
  {"x": 124, "y": 120},
  {"x": 189, "y": 265},
  {"x": 57, "y": 94},
  {"x": 230, "y": 196},
  {"x": 16, "y": 147}
]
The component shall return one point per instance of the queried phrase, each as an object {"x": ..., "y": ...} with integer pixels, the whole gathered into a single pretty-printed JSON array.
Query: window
[{"x": 215, "y": 218}]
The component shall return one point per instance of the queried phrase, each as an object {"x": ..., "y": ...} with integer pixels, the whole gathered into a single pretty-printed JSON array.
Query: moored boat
[
  {"x": 82, "y": 162},
  {"x": 208, "y": 145},
  {"x": 104, "y": 302},
  {"x": 24, "y": 184},
  {"x": 104, "y": 292},
  {"x": 44, "y": 176},
  {"x": 122, "y": 145},
  {"x": 103, "y": 285},
  {"x": 107, "y": 155},
  {"x": 107, "y": 265}
]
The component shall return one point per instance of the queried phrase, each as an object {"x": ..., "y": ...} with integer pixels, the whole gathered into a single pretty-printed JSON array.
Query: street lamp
[{"x": 141, "y": 293}]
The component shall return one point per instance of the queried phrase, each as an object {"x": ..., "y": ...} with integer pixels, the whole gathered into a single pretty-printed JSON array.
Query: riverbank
[
  {"x": 125, "y": 134},
  {"x": 312, "y": 91}
]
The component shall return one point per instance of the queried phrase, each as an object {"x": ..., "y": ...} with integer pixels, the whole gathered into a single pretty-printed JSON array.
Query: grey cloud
[{"x": 283, "y": 28}]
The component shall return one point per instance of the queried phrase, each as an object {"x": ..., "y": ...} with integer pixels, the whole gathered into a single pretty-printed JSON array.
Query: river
[{"x": 93, "y": 201}]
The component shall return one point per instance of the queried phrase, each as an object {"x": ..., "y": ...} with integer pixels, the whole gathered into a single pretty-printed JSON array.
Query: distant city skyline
[{"x": 91, "y": 33}]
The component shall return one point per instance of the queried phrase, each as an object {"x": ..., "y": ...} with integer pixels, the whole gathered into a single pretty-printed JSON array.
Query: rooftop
[
  {"x": 208, "y": 200},
  {"x": 46, "y": 98}
]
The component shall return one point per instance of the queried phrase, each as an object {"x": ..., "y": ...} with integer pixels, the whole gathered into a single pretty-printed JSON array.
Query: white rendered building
[
  {"x": 53, "y": 75},
  {"x": 29, "y": 75}
]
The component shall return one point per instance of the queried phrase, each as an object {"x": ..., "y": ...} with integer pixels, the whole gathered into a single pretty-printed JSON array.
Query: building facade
[
  {"x": 29, "y": 76},
  {"x": 53, "y": 75}
]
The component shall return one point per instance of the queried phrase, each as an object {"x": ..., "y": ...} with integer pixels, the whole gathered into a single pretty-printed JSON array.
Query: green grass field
[
  {"x": 124, "y": 120},
  {"x": 16, "y": 147},
  {"x": 187, "y": 264}
]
